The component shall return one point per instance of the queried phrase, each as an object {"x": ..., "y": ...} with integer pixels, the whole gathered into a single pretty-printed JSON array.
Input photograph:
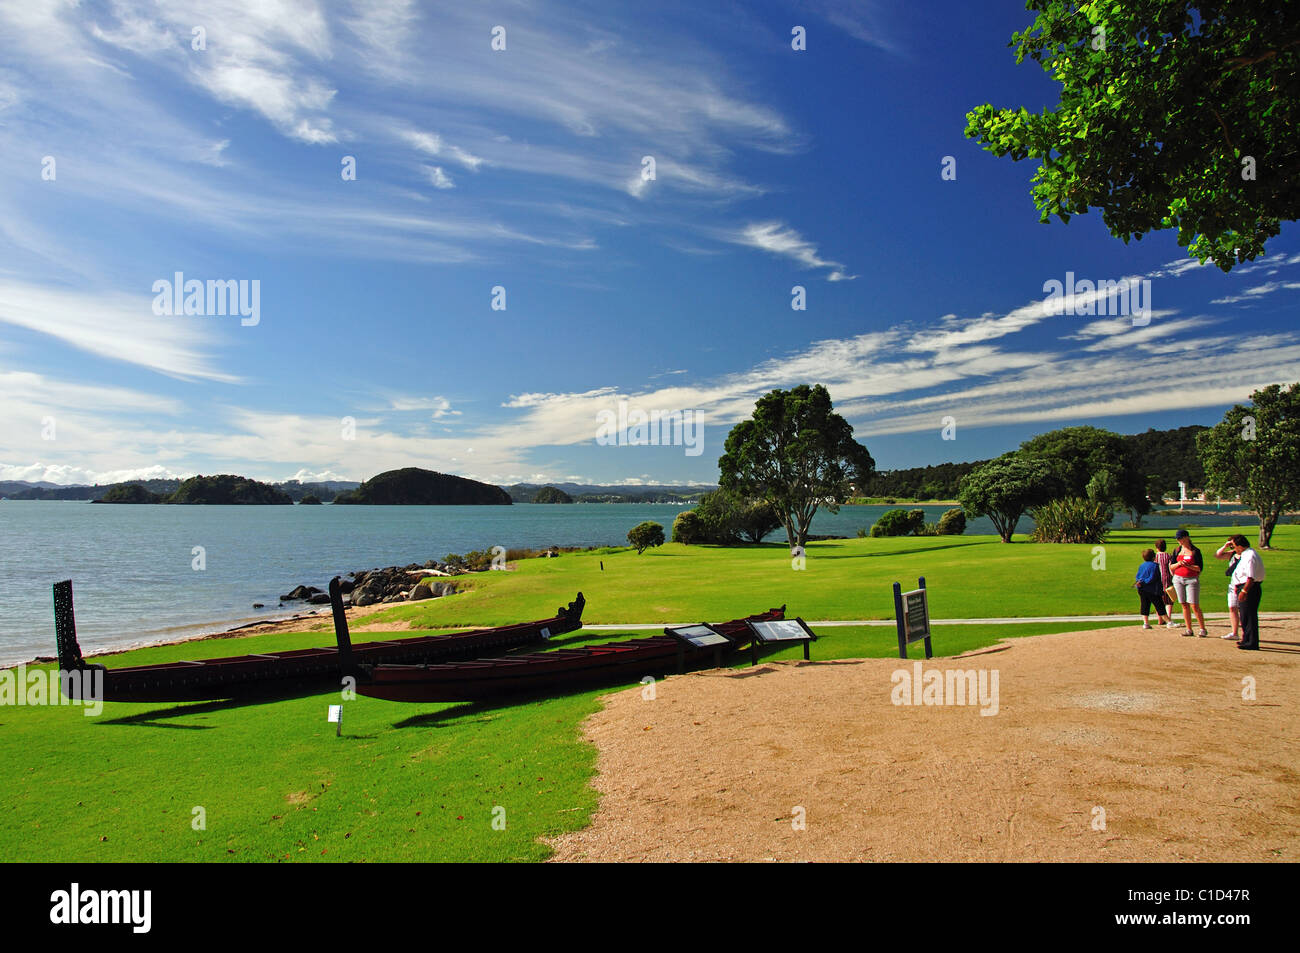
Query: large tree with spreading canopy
[
  {"x": 1255, "y": 451},
  {"x": 796, "y": 454},
  {"x": 1173, "y": 114}
]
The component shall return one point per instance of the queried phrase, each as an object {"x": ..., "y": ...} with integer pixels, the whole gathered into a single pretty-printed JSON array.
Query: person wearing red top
[{"x": 1187, "y": 565}]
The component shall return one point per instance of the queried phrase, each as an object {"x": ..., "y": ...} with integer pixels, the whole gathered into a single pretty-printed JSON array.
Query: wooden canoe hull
[
  {"x": 547, "y": 673},
  {"x": 300, "y": 671}
]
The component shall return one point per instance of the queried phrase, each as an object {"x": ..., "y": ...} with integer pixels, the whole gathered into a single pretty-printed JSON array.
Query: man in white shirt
[{"x": 1246, "y": 579}]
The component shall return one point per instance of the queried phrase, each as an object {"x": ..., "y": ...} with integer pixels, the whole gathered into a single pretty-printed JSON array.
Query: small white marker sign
[{"x": 336, "y": 713}]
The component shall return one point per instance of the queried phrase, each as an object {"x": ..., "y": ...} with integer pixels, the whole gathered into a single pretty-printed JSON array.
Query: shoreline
[{"x": 298, "y": 622}]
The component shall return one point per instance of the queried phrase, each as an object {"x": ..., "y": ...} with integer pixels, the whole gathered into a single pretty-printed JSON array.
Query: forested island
[
  {"x": 412, "y": 486},
  {"x": 549, "y": 494},
  {"x": 222, "y": 490}
]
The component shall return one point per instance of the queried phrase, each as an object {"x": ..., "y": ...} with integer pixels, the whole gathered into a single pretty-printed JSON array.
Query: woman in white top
[{"x": 1228, "y": 552}]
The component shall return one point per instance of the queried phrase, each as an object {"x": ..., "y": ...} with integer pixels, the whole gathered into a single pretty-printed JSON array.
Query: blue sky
[{"x": 522, "y": 169}]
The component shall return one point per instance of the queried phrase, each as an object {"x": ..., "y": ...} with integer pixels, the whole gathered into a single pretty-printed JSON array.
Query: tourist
[
  {"x": 1227, "y": 551},
  {"x": 1188, "y": 563},
  {"x": 1247, "y": 578},
  {"x": 1166, "y": 580},
  {"x": 1151, "y": 593}
]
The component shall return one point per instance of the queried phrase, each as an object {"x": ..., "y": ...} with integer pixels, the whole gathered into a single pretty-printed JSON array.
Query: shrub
[
  {"x": 476, "y": 560},
  {"x": 928, "y": 529},
  {"x": 687, "y": 528},
  {"x": 645, "y": 535},
  {"x": 755, "y": 519},
  {"x": 1071, "y": 520},
  {"x": 898, "y": 522},
  {"x": 862, "y": 532},
  {"x": 716, "y": 516},
  {"x": 953, "y": 522}
]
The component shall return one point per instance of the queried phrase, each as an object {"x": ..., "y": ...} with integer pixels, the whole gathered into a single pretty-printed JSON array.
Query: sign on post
[
  {"x": 336, "y": 716},
  {"x": 912, "y": 613},
  {"x": 780, "y": 633},
  {"x": 702, "y": 636}
]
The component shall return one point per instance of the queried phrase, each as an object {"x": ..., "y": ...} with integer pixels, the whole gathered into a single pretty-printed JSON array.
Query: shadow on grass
[
  {"x": 156, "y": 718},
  {"x": 482, "y": 710},
  {"x": 903, "y": 552}
]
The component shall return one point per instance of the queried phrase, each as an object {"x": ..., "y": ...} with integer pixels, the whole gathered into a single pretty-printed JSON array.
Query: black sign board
[
  {"x": 779, "y": 633},
  {"x": 701, "y": 636},
  {"x": 912, "y": 614},
  {"x": 916, "y": 616},
  {"x": 697, "y": 638}
]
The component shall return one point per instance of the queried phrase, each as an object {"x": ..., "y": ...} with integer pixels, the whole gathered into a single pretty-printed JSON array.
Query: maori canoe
[
  {"x": 294, "y": 673},
  {"x": 547, "y": 673}
]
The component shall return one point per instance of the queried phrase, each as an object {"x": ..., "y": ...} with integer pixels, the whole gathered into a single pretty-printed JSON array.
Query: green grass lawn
[
  {"x": 420, "y": 782},
  {"x": 968, "y": 577}
]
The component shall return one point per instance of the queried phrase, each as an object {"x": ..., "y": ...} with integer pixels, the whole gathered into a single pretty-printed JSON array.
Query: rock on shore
[{"x": 391, "y": 584}]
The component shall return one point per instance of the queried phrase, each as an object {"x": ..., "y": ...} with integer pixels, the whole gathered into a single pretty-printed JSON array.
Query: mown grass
[
  {"x": 968, "y": 577},
  {"x": 420, "y": 782}
]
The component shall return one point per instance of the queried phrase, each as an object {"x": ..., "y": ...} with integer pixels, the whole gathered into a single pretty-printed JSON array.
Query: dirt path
[{"x": 1150, "y": 727}]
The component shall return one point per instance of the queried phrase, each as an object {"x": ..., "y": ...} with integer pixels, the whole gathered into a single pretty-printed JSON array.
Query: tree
[
  {"x": 1004, "y": 488},
  {"x": 644, "y": 535},
  {"x": 688, "y": 528},
  {"x": 952, "y": 522},
  {"x": 899, "y": 522},
  {"x": 717, "y": 513},
  {"x": 755, "y": 519},
  {"x": 796, "y": 454},
  {"x": 1093, "y": 463},
  {"x": 1180, "y": 114},
  {"x": 726, "y": 517},
  {"x": 1256, "y": 451}
]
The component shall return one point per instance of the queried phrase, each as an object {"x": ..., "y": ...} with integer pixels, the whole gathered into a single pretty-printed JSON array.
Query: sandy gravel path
[{"x": 1149, "y": 727}]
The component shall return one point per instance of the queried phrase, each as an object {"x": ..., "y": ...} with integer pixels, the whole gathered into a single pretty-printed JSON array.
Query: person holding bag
[{"x": 1187, "y": 566}]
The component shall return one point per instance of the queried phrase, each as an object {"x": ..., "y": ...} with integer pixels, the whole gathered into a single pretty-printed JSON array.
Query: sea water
[{"x": 144, "y": 573}]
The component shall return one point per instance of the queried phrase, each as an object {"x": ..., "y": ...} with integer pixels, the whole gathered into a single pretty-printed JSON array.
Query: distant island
[
  {"x": 549, "y": 494},
  {"x": 159, "y": 489},
  {"x": 412, "y": 486},
  {"x": 223, "y": 490},
  {"x": 629, "y": 493}
]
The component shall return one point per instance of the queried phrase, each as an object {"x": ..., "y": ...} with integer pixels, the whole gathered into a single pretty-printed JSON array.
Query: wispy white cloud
[
  {"x": 115, "y": 326},
  {"x": 438, "y": 178},
  {"x": 780, "y": 239},
  {"x": 1258, "y": 291}
]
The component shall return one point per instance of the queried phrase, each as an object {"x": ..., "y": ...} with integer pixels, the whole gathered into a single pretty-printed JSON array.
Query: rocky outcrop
[{"x": 391, "y": 584}]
